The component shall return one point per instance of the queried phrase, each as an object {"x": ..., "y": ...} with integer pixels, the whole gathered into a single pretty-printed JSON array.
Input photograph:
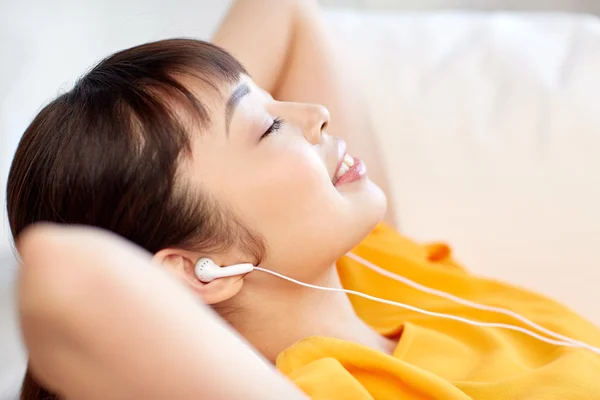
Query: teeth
[
  {"x": 343, "y": 169},
  {"x": 348, "y": 160},
  {"x": 347, "y": 163}
]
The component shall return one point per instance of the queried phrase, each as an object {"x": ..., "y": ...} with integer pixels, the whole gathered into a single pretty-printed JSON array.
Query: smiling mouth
[
  {"x": 348, "y": 169},
  {"x": 351, "y": 170},
  {"x": 346, "y": 164}
]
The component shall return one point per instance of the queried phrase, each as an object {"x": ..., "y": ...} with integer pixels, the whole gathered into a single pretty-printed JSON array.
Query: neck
[{"x": 289, "y": 313}]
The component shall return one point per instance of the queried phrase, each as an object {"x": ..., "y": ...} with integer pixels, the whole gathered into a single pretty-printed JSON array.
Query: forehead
[
  {"x": 230, "y": 98},
  {"x": 203, "y": 102},
  {"x": 215, "y": 93},
  {"x": 218, "y": 97}
]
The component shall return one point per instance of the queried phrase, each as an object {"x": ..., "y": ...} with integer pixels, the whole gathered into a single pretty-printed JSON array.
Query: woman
[{"x": 174, "y": 147}]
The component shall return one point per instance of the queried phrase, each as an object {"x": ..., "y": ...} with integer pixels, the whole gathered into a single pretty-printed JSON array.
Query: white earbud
[{"x": 206, "y": 270}]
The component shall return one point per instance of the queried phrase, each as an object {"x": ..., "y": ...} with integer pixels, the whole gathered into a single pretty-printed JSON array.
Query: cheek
[
  {"x": 285, "y": 194},
  {"x": 289, "y": 184}
]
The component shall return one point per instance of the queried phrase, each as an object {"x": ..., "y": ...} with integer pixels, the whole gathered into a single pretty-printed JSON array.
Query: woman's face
[{"x": 276, "y": 167}]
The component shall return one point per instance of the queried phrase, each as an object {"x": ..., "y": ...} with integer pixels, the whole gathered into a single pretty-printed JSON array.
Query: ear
[{"x": 181, "y": 263}]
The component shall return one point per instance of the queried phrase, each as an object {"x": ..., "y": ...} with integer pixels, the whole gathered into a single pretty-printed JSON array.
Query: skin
[
  {"x": 85, "y": 349},
  {"x": 280, "y": 185},
  {"x": 289, "y": 51}
]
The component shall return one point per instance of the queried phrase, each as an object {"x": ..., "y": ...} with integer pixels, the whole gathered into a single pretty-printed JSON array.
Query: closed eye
[{"x": 275, "y": 126}]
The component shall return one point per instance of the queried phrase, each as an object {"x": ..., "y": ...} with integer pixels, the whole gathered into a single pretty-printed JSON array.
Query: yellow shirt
[{"x": 438, "y": 358}]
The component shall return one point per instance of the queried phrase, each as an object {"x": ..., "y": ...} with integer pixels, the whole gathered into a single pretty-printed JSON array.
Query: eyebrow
[{"x": 233, "y": 101}]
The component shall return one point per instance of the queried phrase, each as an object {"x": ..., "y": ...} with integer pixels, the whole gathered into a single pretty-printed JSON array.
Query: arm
[
  {"x": 146, "y": 338},
  {"x": 286, "y": 47}
]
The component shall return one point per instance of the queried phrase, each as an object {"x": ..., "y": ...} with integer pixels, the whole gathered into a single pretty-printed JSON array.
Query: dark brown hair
[{"x": 107, "y": 153}]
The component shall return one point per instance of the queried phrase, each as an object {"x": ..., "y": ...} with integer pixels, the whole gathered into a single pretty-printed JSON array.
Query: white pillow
[
  {"x": 488, "y": 121},
  {"x": 52, "y": 43},
  {"x": 50, "y": 46},
  {"x": 490, "y": 125},
  {"x": 12, "y": 354}
]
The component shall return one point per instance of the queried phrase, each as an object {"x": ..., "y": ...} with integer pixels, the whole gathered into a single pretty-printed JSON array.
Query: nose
[
  {"x": 312, "y": 119},
  {"x": 316, "y": 122}
]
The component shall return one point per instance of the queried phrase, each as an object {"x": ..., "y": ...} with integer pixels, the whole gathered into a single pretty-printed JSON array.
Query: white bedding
[
  {"x": 489, "y": 122},
  {"x": 491, "y": 131}
]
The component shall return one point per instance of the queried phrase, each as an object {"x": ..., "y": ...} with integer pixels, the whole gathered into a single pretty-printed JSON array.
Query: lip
[
  {"x": 341, "y": 153},
  {"x": 356, "y": 172}
]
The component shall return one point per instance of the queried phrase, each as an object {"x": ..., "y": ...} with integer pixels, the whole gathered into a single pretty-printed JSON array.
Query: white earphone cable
[
  {"x": 566, "y": 343},
  {"x": 468, "y": 303}
]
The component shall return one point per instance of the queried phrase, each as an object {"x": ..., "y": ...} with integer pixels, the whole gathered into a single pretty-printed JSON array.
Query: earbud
[{"x": 206, "y": 270}]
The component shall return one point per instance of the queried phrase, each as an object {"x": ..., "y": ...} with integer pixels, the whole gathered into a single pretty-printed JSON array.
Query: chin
[
  {"x": 370, "y": 212},
  {"x": 376, "y": 206}
]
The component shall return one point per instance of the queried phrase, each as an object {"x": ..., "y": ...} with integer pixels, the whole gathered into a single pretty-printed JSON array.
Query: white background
[
  {"x": 46, "y": 45},
  {"x": 509, "y": 177}
]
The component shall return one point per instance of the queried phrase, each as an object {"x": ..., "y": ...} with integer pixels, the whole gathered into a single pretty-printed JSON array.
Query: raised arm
[
  {"x": 288, "y": 49},
  {"x": 100, "y": 322}
]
